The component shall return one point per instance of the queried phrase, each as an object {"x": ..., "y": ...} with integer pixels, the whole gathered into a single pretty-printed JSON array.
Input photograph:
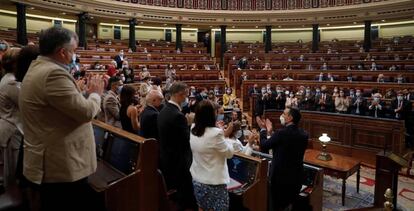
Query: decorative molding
[{"x": 223, "y": 12}]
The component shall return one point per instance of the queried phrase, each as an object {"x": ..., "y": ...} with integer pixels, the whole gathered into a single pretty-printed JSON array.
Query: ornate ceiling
[{"x": 244, "y": 13}]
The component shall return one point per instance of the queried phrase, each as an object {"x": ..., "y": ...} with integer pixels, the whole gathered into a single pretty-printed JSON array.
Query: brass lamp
[{"x": 325, "y": 156}]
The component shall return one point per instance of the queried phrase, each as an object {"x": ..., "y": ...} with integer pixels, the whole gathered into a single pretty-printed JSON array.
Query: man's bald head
[{"x": 154, "y": 98}]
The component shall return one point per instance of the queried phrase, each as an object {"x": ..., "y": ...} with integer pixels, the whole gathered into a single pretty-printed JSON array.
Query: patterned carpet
[{"x": 365, "y": 197}]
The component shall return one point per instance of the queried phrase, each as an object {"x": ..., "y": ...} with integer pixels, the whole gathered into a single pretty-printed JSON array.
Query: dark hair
[
  {"x": 205, "y": 116},
  {"x": 9, "y": 59},
  {"x": 54, "y": 38},
  {"x": 25, "y": 58},
  {"x": 156, "y": 81},
  {"x": 177, "y": 87},
  {"x": 295, "y": 113},
  {"x": 236, "y": 127},
  {"x": 127, "y": 95},
  {"x": 112, "y": 80}
]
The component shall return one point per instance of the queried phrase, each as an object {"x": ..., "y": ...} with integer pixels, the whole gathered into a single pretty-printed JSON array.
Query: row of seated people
[
  {"x": 143, "y": 43},
  {"x": 396, "y": 43},
  {"x": 129, "y": 75},
  {"x": 336, "y": 42},
  {"x": 325, "y": 66},
  {"x": 322, "y": 65},
  {"x": 325, "y": 51},
  {"x": 395, "y": 56},
  {"x": 120, "y": 61},
  {"x": 121, "y": 56},
  {"x": 194, "y": 48},
  {"x": 132, "y": 75},
  {"x": 354, "y": 101},
  {"x": 381, "y": 78},
  {"x": 135, "y": 55}
]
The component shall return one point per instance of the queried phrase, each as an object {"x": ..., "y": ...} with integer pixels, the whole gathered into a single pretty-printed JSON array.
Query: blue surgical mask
[
  {"x": 119, "y": 89},
  {"x": 220, "y": 117},
  {"x": 185, "y": 103}
]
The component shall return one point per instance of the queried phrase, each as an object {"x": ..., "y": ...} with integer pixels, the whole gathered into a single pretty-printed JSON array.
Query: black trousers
[
  {"x": 283, "y": 195},
  {"x": 72, "y": 196}
]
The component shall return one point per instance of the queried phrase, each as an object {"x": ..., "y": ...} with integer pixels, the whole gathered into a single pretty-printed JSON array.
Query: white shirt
[{"x": 210, "y": 154}]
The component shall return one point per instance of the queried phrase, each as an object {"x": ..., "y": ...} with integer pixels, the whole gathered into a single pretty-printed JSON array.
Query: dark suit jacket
[
  {"x": 148, "y": 122},
  {"x": 175, "y": 151},
  {"x": 307, "y": 103},
  {"x": 328, "y": 103},
  {"x": 118, "y": 61},
  {"x": 288, "y": 145},
  {"x": 380, "y": 113},
  {"x": 406, "y": 108},
  {"x": 362, "y": 106},
  {"x": 253, "y": 91},
  {"x": 242, "y": 64}
]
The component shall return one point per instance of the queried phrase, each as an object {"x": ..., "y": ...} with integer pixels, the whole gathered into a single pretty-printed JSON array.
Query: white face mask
[
  {"x": 287, "y": 93},
  {"x": 282, "y": 120},
  {"x": 400, "y": 97},
  {"x": 119, "y": 89}
]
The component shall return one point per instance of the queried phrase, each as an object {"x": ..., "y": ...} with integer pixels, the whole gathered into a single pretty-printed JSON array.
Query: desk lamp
[{"x": 325, "y": 156}]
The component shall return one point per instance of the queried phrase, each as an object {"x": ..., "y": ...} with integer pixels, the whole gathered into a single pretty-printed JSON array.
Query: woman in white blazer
[{"x": 210, "y": 154}]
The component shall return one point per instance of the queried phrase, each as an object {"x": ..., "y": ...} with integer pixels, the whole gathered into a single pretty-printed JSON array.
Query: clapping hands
[
  {"x": 95, "y": 84},
  {"x": 264, "y": 124}
]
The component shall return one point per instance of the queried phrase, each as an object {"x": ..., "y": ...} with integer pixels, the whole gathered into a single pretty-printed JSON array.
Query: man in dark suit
[
  {"x": 324, "y": 101},
  {"x": 242, "y": 64},
  {"x": 119, "y": 59},
  {"x": 308, "y": 101},
  {"x": 358, "y": 104},
  {"x": 207, "y": 42},
  {"x": 401, "y": 107},
  {"x": 175, "y": 151},
  {"x": 377, "y": 108},
  {"x": 254, "y": 90},
  {"x": 150, "y": 113},
  {"x": 288, "y": 145}
]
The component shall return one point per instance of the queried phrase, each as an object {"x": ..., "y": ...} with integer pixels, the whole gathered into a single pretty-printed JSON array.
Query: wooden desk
[
  {"x": 340, "y": 167},
  {"x": 127, "y": 175},
  {"x": 251, "y": 172}
]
